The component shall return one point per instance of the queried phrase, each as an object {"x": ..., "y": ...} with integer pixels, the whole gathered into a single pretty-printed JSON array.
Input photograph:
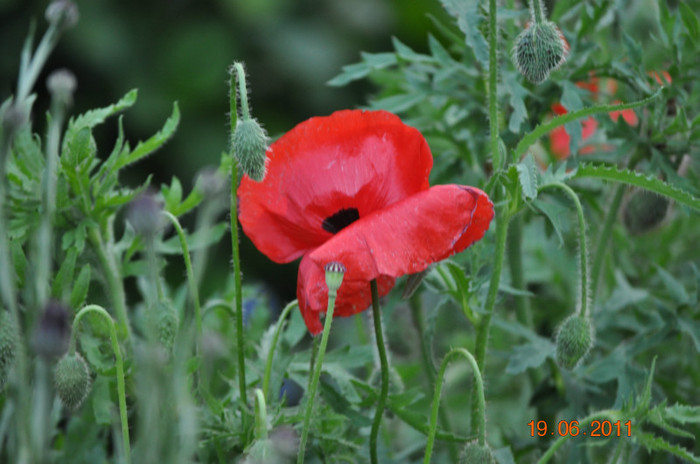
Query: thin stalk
[
  {"x": 153, "y": 268},
  {"x": 313, "y": 384},
  {"x": 115, "y": 284},
  {"x": 194, "y": 292},
  {"x": 604, "y": 236},
  {"x": 583, "y": 259},
  {"x": 273, "y": 345},
  {"x": 479, "y": 395},
  {"x": 260, "y": 415},
  {"x": 242, "y": 91},
  {"x": 537, "y": 11},
  {"x": 517, "y": 276},
  {"x": 493, "y": 83},
  {"x": 381, "y": 348},
  {"x": 29, "y": 73},
  {"x": 121, "y": 390}
]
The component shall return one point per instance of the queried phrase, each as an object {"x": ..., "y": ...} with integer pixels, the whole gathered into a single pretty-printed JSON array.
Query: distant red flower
[{"x": 353, "y": 187}]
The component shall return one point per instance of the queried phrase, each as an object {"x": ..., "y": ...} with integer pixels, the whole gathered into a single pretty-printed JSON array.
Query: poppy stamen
[{"x": 340, "y": 220}]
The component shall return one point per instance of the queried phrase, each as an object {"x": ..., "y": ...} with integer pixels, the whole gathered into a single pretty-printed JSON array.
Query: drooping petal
[
  {"x": 403, "y": 238},
  {"x": 352, "y": 159}
]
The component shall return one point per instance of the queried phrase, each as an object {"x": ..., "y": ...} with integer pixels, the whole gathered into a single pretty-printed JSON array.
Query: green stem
[
  {"x": 242, "y": 91},
  {"x": 153, "y": 268},
  {"x": 604, "y": 237},
  {"x": 493, "y": 83},
  {"x": 517, "y": 276},
  {"x": 29, "y": 71},
  {"x": 194, "y": 292},
  {"x": 381, "y": 348},
  {"x": 113, "y": 278},
  {"x": 482, "y": 336},
  {"x": 313, "y": 385},
  {"x": 479, "y": 395},
  {"x": 260, "y": 415},
  {"x": 273, "y": 345},
  {"x": 121, "y": 391},
  {"x": 583, "y": 259},
  {"x": 240, "y": 342},
  {"x": 537, "y": 11}
]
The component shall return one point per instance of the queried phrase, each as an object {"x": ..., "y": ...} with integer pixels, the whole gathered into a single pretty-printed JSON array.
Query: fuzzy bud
[
  {"x": 474, "y": 453},
  {"x": 162, "y": 323},
  {"x": 61, "y": 85},
  {"x": 72, "y": 380},
  {"x": 63, "y": 13},
  {"x": 9, "y": 344},
  {"x": 574, "y": 340},
  {"x": 250, "y": 146},
  {"x": 539, "y": 49},
  {"x": 145, "y": 216},
  {"x": 210, "y": 182},
  {"x": 644, "y": 211},
  {"x": 50, "y": 339},
  {"x": 335, "y": 272}
]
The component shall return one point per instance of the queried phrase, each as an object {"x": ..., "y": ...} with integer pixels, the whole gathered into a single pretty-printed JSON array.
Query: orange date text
[{"x": 596, "y": 428}]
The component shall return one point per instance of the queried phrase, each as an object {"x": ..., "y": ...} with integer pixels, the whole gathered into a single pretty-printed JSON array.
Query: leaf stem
[
  {"x": 313, "y": 384},
  {"x": 479, "y": 395},
  {"x": 381, "y": 348},
  {"x": 121, "y": 391}
]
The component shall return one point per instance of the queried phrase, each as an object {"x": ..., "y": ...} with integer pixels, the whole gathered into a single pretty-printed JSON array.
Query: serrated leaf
[
  {"x": 144, "y": 149},
  {"x": 172, "y": 194},
  {"x": 95, "y": 117},
  {"x": 682, "y": 414},
  {"x": 653, "y": 443},
  {"x": 517, "y": 101},
  {"x": 469, "y": 19},
  {"x": 64, "y": 277},
  {"x": 351, "y": 72},
  {"x": 556, "y": 214},
  {"x": 637, "y": 179},
  {"x": 379, "y": 60},
  {"x": 398, "y": 103},
  {"x": 527, "y": 175},
  {"x": 80, "y": 288},
  {"x": 529, "y": 355}
]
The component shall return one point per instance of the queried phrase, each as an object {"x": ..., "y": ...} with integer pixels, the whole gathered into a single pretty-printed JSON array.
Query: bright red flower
[{"x": 353, "y": 187}]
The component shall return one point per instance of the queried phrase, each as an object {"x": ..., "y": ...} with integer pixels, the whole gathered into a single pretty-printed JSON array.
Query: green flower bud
[
  {"x": 335, "y": 272},
  {"x": 574, "y": 340},
  {"x": 9, "y": 344},
  {"x": 145, "y": 214},
  {"x": 61, "y": 85},
  {"x": 162, "y": 323},
  {"x": 64, "y": 13},
  {"x": 72, "y": 380},
  {"x": 250, "y": 146},
  {"x": 644, "y": 211},
  {"x": 50, "y": 338},
  {"x": 539, "y": 49},
  {"x": 474, "y": 453}
]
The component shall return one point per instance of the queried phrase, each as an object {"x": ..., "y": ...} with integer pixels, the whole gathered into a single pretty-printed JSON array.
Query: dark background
[{"x": 180, "y": 50}]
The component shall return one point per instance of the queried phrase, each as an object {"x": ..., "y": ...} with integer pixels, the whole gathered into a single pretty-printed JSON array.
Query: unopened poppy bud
[
  {"x": 63, "y": 13},
  {"x": 145, "y": 216},
  {"x": 250, "y": 147},
  {"x": 162, "y": 323},
  {"x": 14, "y": 118},
  {"x": 72, "y": 380},
  {"x": 61, "y": 85},
  {"x": 475, "y": 453},
  {"x": 335, "y": 272},
  {"x": 574, "y": 339},
  {"x": 9, "y": 344},
  {"x": 644, "y": 211},
  {"x": 51, "y": 337},
  {"x": 539, "y": 50},
  {"x": 210, "y": 182}
]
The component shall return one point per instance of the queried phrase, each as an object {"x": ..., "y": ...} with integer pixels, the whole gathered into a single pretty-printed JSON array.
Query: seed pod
[
  {"x": 9, "y": 344},
  {"x": 644, "y": 211},
  {"x": 539, "y": 49},
  {"x": 475, "y": 453},
  {"x": 162, "y": 323},
  {"x": 72, "y": 380},
  {"x": 574, "y": 340},
  {"x": 250, "y": 147},
  {"x": 335, "y": 272},
  {"x": 50, "y": 339}
]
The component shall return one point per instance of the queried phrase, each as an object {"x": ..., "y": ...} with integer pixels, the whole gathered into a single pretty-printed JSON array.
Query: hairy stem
[
  {"x": 493, "y": 83},
  {"x": 381, "y": 348},
  {"x": 271, "y": 352}
]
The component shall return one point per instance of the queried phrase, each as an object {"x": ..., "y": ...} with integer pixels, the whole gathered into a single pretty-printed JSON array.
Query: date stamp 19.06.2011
[{"x": 596, "y": 428}]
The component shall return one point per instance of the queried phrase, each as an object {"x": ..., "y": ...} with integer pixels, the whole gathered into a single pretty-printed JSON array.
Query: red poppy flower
[{"x": 353, "y": 187}]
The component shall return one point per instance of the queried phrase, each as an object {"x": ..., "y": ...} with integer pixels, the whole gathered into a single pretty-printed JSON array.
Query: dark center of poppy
[{"x": 340, "y": 220}]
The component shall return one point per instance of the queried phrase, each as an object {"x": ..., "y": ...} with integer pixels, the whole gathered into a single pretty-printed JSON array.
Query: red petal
[
  {"x": 559, "y": 139},
  {"x": 629, "y": 115},
  {"x": 351, "y": 159},
  {"x": 403, "y": 238}
]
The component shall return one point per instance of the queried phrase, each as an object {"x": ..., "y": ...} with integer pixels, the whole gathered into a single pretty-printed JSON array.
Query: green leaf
[
  {"x": 172, "y": 194},
  {"x": 95, "y": 117},
  {"x": 405, "y": 52},
  {"x": 101, "y": 402},
  {"x": 546, "y": 128},
  {"x": 64, "y": 277},
  {"x": 683, "y": 414},
  {"x": 527, "y": 174},
  {"x": 517, "y": 101},
  {"x": 653, "y": 443},
  {"x": 351, "y": 72},
  {"x": 144, "y": 149},
  {"x": 572, "y": 102},
  {"x": 637, "y": 179},
  {"x": 529, "y": 355},
  {"x": 690, "y": 20},
  {"x": 674, "y": 288},
  {"x": 80, "y": 288},
  {"x": 19, "y": 260},
  {"x": 398, "y": 103},
  {"x": 200, "y": 239},
  {"x": 469, "y": 19},
  {"x": 692, "y": 328},
  {"x": 556, "y": 214}
]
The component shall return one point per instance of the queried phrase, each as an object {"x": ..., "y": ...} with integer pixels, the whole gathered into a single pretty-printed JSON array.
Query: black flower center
[{"x": 340, "y": 220}]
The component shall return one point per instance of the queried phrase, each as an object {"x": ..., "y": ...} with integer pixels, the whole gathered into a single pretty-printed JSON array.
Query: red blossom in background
[{"x": 353, "y": 188}]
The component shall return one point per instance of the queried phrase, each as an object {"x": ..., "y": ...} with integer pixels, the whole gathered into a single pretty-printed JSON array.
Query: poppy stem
[
  {"x": 478, "y": 392},
  {"x": 271, "y": 353},
  {"x": 537, "y": 11},
  {"x": 493, "y": 83},
  {"x": 242, "y": 90},
  {"x": 313, "y": 385},
  {"x": 379, "y": 333}
]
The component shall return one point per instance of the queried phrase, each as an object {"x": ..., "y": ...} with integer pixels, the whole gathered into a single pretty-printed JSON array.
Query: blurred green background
[{"x": 180, "y": 50}]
